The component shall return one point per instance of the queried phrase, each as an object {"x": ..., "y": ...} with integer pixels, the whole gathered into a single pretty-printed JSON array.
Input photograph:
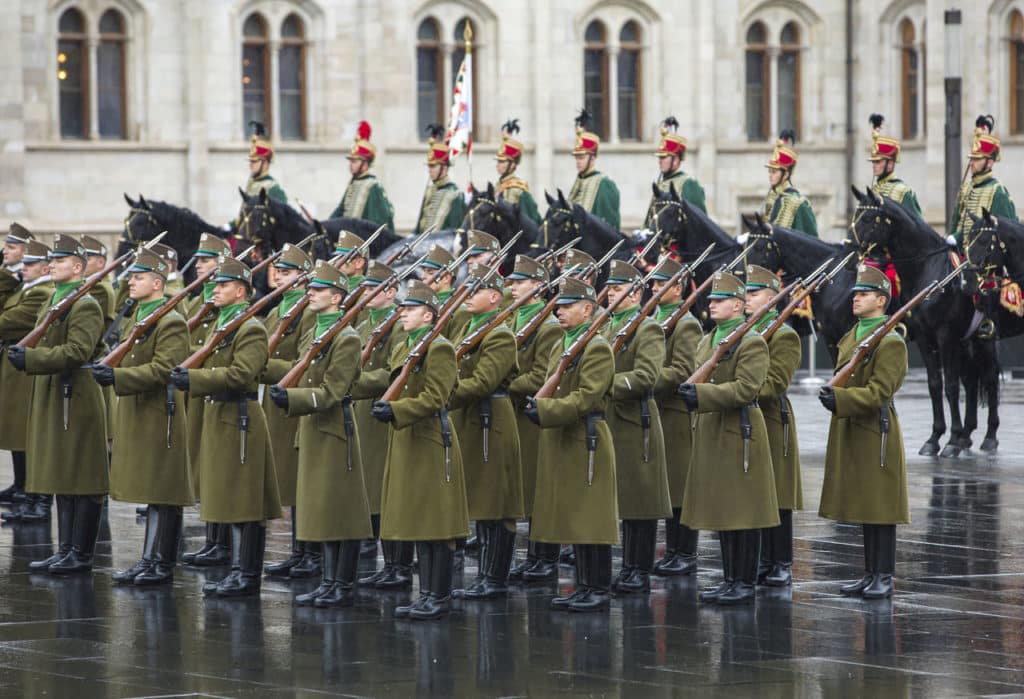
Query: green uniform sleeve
[
  {"x": 276, "y": 369},
  {"x": 440, "y": 373},
  {"x": 693, "y": 192},
  {"x": 596, "y": 370},
  {"x": 378, "y": 209},
  {"x": 249, "y": 357},
  {"x": 496, "y": 360},
  {"x": 456, "y": 213},
  {"x": 910, "y": 204},
  {"x": 170, "y": 350},
  {"x": 683, "y": 360},
  {"x": 783, "y": 361},
  {"x": 805, "y": 221},
  {"x": 888, "y": 370},
  {"x": 751, "y": 368},
  {"x": 527, "y": 383},
  {"x": 18, "y": 321},
  {"x": 606, "y": 203},
  {"x": 342, "y": 371},
  {"x": 277, "y": 194},
  {"x": 85, "y": 326},
  {"x": 1002, "y": 205},
  {"x": 371, "y": 384},
  {"x": 528, "y": 205},
  {"x": 648, "y": 359}
]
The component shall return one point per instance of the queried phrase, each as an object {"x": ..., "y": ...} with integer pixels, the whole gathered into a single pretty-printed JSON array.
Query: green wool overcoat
[
  {"x": 676, "y": 421},
  {"x": 196, "y": 404},
  {"x": 784, "y": 360},
  {"x": 18, "y": 316}
]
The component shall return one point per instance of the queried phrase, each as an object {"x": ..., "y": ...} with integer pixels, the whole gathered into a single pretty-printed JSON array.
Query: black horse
[
  {"x": 491, "y": 214},
  {"x": 884, "y": 230},
  {"x": 149, "y": 218},
  {"x": 564, "y": 221},
  {"x": 269, "y": 224}
]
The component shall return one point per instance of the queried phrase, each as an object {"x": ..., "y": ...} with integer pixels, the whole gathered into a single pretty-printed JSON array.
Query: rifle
[
  {"x": 526, "y": 332},
  {"x": 868, "y": 345},
  {"x": 295, "y": 374},
  {"x": 669, "y": 324},
  {"x": 468, "y": 286},
  {"x": 636, "y": 257},
  {"x": 64, "y": 305},
  {"x": 419, "y": 351},
  {"x": 813, "y": 282},
  {"x": 407, "y": 247},
  {"x": 449, "y": 268},
  {"x": 555, "y": 254}
]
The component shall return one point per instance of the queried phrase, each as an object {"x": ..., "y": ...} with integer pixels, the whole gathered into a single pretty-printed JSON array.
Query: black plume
[
  {"x": 876, "y": 120},
  {"x": 985, "y": 121},
  {"x": 510, "y": 127},
  {"x": 583, "y": 119},
  {"x": 670, "y": 122},
  {"x": 436, "y": 131},
  {"x": 788, "y": 136},
  {"x": 258, "y": 129}
]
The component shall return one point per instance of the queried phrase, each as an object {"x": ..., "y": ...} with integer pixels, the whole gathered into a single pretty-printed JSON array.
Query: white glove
[
  {"x": 742, "y": 238},
  {"x": 951, "y": 241}
]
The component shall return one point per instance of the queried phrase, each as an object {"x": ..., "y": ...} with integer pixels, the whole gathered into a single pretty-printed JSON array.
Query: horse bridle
[
  {"x": 862, "y": 210},
  {"x": 554, "y": 212},
  {"x": 245, "y": 221},
  {"x": 471, "y": 214},
  {"x": 986, "y": 268},
  {"x": 132, "y": 212}
]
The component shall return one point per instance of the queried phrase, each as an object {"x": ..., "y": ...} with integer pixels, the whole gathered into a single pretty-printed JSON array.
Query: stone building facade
[{"x": 161, "y": 96}]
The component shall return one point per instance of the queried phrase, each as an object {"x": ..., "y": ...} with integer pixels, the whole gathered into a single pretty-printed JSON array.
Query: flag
[{"x": 460, "y": 121}]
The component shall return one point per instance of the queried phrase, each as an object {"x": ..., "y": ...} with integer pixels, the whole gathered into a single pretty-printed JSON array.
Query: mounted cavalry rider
[
  {"x": 784, "y": 205},
  {"x": 510, "y": 187},
  {"x": 983, "y": 191},
  {"x": 592, "y": 190},
  {"x": 671, "y": 152},
  {"x": 364, "y": 197},
  {"x": 443, "y": 206}
]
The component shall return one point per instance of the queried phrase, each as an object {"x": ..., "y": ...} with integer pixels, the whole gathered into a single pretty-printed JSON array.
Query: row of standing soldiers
[{"x": 623, "y": 439}]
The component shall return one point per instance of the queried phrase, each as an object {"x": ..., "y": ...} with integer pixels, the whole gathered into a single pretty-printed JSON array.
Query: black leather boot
[
  {"x": 438, "y": 604},
  {"x": 88, "y": 511},
  {"x": 142, "y": 510},
  {"x": 283, "y": 568},
  {"x": 16, "y": 491},
  {"x": 331, "y": 551},
  {"x": 343, "y": 592},
  {"x": 725, "y": 545},
  {"x": 767, "y": 561},
  {"x": 189, "y": 557},
  {"x": 65, "y": 529},
  {"x": 368, "y": 547},
  {"x": 501, "y": 544},
  {"x": 387, "y": 548},
  {"x": 36, "y": 508},
  {"x": 562, "y": 602},
  {"x": 671, "y": 537},
  {"x": 168, "y": 540},
  {"x": 627, "y": 553},
  {"x": 643, "y": 542},
  {"x": 857, "y": 588},
  {"x": 425, "y": 554},
  {"x": 881, "y": 586},
  {"x": 781, "y": 574},
  {"x": 567, "y": 555},
  {"x": 220, "y": 553},
  {"x": 311, "y": 565},
  {"x": 546, "y": 567},
  {"x": 399, "y": 576},
  {"x": 685, "y": 561},
  {"x": 250, "y": 575},
  {"x": 745, "y": 556},
  {"x": 232, "y": 578},
  {"x": 516, "y": 572},
  {"x": 473, "y": 543},
  {"x": 127, "y": 576},
  {"x": 599, "y": 578}
]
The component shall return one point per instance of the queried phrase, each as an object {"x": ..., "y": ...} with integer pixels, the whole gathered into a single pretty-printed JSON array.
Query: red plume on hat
[
  {"x": 362, "y": 149},
  {"x": 363, "y": 130}
]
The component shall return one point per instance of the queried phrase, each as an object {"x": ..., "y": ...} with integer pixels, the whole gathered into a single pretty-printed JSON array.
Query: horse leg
[
  {"x": 955, "y": 369},
  {"x": 990, "y": 387},
  {"x": 972, "y": 384},
  {"x": 933, "y": 366}
]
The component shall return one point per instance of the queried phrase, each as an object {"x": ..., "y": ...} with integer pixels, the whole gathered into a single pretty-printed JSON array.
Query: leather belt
[{"x": 233, "y": 397}]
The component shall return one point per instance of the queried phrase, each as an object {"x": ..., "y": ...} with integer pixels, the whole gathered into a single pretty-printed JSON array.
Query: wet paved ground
[{"x": 955, "y": 627}]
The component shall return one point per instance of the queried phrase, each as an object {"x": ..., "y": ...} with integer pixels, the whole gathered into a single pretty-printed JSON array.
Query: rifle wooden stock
[
  {"x": 769, "y": 332},
  {"x": 197, "y": 320},
  {"x": 62, "y": 306},
  {"x": 379, "y": 333},
  {"x": 703, "y": 372},
  {"x": 630, "y": 328},
  {"x": 669, "y": 324}
]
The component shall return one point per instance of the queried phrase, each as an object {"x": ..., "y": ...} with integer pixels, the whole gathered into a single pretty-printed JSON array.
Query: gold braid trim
[
  {"x": 894, "y": 189},
  {"x": 584, "y": 191},
  {"x": 356, "y": 194}
]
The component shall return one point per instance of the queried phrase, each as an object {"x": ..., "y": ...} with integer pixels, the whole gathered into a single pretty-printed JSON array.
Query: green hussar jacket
[
  {"x": 785, "y": 206},
  {"x": 71, "y": 461},
  {"x": 899, "y": 191},
  {"x": 720, "y": 495},
  {"x": 596, "y": 193},
  {"x": 515, "y": 191},
  {"x": 233, "y": 491},
  {"x": 643, "y": 482},
  {"x": 18, "y": 314},
  {"x": 494, "y": 486},
  {"x": 146, "y": 465},
  {"x": 982, "y": 192},
  {"x": 566, "y": 509},
  {"x": 784, "y": 360},
  {"x": 331, "y": 496},
  {"x": 858, "y": 487},
  {"x": 365, "y": 198},
  {"x": 274, "y": 191},
  {"x": 443, "y": 207},
  {"x": 423, "y": 498},
  {"x": 196, "y": 404},
  {"x": 685, "y": 186}
]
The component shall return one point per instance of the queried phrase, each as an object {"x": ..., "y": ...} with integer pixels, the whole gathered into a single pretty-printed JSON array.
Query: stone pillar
[{"x": 197, "y": 158}]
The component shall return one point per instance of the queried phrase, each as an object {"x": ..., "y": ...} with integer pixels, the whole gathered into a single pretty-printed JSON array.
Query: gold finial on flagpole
[{"x": 467, "y": 36}]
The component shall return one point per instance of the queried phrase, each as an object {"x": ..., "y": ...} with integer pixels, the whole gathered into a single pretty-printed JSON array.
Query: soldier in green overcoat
[
  {"x": 424, "y": 492},
  {"x": 534, "y": 349},
  {"x": 512, "y": 188},
  {"x": 67, "y": 432},
  {"x": 14, "y": 249},
  {"x": 331, "y": 494},
  {"x": 593, "y": 190},
  {"x": 635, "y": 421},
  {"x": 150, "y": 424},
  {"x": 304, "y": 559},
  {"x": 865, "y": 464},
  {"x": 104, "y": 294},
  {"x": 731, "y": 486},
  {"x": 671, "y": 152},
  {"x": 381, "y": 326},
  {"x": 682, "y": 334},
  {"x": 364, "y": 197},
  {"x": 443, "y": 207},
  {"x": 437, "y": 275},
  {"x": 354, "y": 268},
  {"x": 776, "y": 565},
  {"x": 784, "y": 205},
  {"x": 18, "y": 314},
  {"x": 238, "y": 482},
  {"x": 485, "y": 420},
  {"x": 214, "y": 550},
  {"x": 576, "y": 497}
]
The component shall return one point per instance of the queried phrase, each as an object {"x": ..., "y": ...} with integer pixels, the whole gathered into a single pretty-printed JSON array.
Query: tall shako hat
[
  {"x": 259, "y": 144},
  {"x": 437, "y": 146},
  {"x": 882, "y": 147},
  {"x": 510, "y": 148},
  {"x": 587, "y": 142},
  {"x": 362, "y": 149},
  {"x": 985, "y": 145},
  {"x": 784, "y": 156},
  {"x": 671, "y": 143}
]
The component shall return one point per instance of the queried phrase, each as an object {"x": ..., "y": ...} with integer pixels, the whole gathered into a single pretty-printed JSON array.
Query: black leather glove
[
  {"x": 382, "y": 411},
  {"x": 279, "y": 396},
  {"x": 17, "y": 356},
  {"x": 531, "y": 412},
  {"x": 179, "y": 377},
  {"x": 827, "y": 396},
  {"x": 688, "y": 392},
  {"x": 104, "y": 375}
]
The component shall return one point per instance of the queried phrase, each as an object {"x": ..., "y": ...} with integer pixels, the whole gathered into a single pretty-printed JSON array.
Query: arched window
[
  {"x": 629, "y": 82},
  {"x": 429, "y": 75},
  {"x": 110, "y": 75},
  {"x": 595, "y": 75},
  {"x": 789, "y": 78},
  {"x": 1016, "y": 72},
  {"x": 909, "y": 75},
  {"x": 255, "y": 73},
  {"x": 72, "y": 75},
  {"x": 458, "y": 54},
  {"x": 757, "y": 84},
  {"x": 291, "y": 78}
]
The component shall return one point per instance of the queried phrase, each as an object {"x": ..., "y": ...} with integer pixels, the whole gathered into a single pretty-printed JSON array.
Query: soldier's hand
[
  {"x": 280, "y": 396},
  {"x": 382, "y": 411},
  {"x": 17, "y": 356},
  {"x": 827, "y": 396},
  {"x": 104, "y": 375},
  {"x": 951, "y": 241},
  {"x": 179, "y": 377},
  {"x": 688, "y": 392},
  {"x": 531, "y": 412}
]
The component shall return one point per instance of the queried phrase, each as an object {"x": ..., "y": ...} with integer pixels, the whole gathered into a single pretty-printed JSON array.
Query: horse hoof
[
  {"x": 929, "y": 449},
  {"x": 951, "y": 451},
  {"x": 990, "y": 445}
]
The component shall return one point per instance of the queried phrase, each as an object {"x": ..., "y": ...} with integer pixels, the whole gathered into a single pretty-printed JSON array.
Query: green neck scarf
[
  {"x": 325, "y": 320},
  {"x": 354, "y": 281},
  {"x": 620, "y": 317},
  {"x": 479, "y": 319},
  {"x": 229, "y": 312},
  {"x": 147, "y": 307},
  {"x": 62, "y": 289},
  {"x": 379, "y": 314},
  {"x": 766, "y": 321},
  {"x": 866, "y": 326},
  {"x": 667, "y": 309},
  {"x": 526, "y": 312},
  {"x": 417, "y": 334},
  {"x": 572, "y": 335},
  {"x": 208, "y": 288},
  {"x": 289, "y": 299},
  {"x": 443, "y": 296},
  {"x": 723, "y": 329}
]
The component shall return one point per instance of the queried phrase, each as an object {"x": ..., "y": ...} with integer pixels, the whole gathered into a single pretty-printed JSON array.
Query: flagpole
[{"x": 467, "y": 37}]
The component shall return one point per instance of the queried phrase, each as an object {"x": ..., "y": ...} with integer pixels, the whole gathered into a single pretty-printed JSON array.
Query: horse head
[
  {"x": 765, "y": 250},
  {"x": 873, "y": 227},
  {"x": 560, "y": 224},
  {"x": 985, "y": 249},
  {"x": 140, "y": 225}
]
